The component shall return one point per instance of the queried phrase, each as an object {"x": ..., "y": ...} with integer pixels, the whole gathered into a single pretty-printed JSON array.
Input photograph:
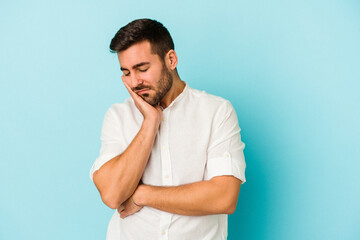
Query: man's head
[
  {"x": 143, "y": 30},
  {"x": 147, "y": 58}
]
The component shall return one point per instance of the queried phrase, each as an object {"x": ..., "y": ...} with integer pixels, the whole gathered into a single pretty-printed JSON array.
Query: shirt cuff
[{"x": 225, "y": 165}]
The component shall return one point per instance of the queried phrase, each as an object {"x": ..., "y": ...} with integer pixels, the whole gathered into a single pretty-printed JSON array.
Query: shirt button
[
  {"x": 163, "y": 119},
  {"x": 167, "y": 176},
  {"x": 227, "y": 154},
  {"x": 163, "y": 232}
]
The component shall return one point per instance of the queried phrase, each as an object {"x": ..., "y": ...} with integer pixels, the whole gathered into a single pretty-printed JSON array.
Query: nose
[{"x": 135, "y": 80}]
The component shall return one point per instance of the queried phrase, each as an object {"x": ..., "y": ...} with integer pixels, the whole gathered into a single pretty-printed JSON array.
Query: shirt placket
[{"x": 166, "y": 172}]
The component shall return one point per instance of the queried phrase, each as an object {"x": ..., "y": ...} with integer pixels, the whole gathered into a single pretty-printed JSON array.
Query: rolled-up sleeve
[
  {"x": 111, "y": 141},
  {"x": 225, "y": 151}
]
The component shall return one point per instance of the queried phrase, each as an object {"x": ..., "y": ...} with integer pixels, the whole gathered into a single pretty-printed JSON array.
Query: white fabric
[{"x": 198, "y": 138}]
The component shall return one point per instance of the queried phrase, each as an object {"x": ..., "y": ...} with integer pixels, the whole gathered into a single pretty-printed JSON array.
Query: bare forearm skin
[
  {"x": 118, "y": 178},
  {"x": 216, "y": 196}
]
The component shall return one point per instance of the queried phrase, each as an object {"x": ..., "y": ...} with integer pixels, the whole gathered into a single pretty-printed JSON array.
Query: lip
[{"x": 142, "y": 91}]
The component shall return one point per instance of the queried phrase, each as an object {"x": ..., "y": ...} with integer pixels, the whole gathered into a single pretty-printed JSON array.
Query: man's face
[{"x": 145, "y": 73}]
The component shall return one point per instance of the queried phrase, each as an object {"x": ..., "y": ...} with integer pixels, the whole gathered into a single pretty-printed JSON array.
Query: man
[{"x": 171, "y": 160}]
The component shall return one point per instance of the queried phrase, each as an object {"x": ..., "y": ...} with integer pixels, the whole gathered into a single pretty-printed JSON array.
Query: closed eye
[
  {"x": 143, "y": 70},
  {"x": 125, "y": 72}
]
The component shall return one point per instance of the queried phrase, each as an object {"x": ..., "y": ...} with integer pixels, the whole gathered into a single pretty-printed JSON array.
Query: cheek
[
  {"x": 127, "y": 80},
  {"x": 150, "y": 77}
]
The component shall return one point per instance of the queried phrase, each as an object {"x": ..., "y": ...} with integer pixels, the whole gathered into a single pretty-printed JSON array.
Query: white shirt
[{"x": 198, "y": 138}]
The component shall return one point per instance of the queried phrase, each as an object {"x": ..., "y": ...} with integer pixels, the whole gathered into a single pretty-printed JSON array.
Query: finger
[
  {"x": 120, "y": 211},
  {"x": 121, "y": 208},
  {"x": 123, "y": 214},
  {"x": 128, "y": 88},
  {"x": 132, "y": 93}
]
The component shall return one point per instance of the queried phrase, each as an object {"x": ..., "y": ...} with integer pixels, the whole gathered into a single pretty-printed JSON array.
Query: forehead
[{"x": 137, "y": 53}]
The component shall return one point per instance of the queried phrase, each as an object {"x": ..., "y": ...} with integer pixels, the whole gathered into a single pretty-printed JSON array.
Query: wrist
[
  {"x": 140, "y": 195},
  {"x": 150, "y": 125}
]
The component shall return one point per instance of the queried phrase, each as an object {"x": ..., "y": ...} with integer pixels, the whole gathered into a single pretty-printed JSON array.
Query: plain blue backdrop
[{"x": 290, "y": 68}]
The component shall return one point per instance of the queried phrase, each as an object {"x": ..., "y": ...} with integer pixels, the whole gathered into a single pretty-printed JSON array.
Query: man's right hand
[{"x": 149, "y": 112}]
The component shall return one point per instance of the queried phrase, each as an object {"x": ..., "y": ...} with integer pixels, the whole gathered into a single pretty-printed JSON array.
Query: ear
[{"x": 171, "y": 59}]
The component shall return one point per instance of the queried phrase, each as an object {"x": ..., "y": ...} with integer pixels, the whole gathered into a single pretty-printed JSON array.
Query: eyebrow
[{"x": 135, "y": 66}]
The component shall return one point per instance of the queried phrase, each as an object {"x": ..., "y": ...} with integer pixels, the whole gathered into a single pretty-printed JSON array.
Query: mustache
[{"x": 140, "y": 87}]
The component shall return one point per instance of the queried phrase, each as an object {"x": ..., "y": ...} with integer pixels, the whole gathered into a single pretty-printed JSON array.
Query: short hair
[{"x": 143, "y": 30}]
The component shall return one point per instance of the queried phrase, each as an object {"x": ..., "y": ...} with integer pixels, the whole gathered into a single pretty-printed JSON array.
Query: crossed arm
[
  {"x": 118, "y": 179},
  {"x": 216, "y": 196}
]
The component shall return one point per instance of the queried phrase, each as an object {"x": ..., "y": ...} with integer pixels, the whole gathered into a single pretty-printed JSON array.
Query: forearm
[
  {"x": 118, "y": 178},
  {"x": 195, "y": 199}
]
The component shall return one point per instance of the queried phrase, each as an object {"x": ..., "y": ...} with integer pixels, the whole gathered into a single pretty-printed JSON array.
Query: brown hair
[{"x": 143, "y": 30}]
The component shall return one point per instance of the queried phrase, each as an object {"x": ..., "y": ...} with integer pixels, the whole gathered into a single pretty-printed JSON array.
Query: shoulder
[
  {"x": 209, "y": 101},
  {"x": 215, "y": 109},
  {"x": 121, "y": 113},
  {"x": 121, "y": 108}
]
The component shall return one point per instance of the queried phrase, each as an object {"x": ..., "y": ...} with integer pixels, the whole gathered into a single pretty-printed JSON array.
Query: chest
[{"x": 179, "y": 152}]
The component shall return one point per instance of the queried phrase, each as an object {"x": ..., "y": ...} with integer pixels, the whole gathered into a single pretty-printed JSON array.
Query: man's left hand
[{"x": 128, "y": 207}]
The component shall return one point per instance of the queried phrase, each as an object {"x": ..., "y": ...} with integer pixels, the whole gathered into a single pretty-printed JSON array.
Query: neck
[{"x": 175, "y": 90}]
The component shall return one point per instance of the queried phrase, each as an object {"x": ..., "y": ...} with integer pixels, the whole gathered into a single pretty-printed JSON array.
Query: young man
[{"x": 171, "y": 160}]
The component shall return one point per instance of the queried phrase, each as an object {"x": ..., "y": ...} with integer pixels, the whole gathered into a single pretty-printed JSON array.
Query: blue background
[{"x": 290, "y": 68}]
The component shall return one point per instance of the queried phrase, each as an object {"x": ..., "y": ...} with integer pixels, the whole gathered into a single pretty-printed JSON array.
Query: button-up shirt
[{"x": 198, "y": 139}]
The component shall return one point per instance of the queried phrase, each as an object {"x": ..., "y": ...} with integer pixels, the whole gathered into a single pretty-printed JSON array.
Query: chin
[{"x": 150, "y": 101}]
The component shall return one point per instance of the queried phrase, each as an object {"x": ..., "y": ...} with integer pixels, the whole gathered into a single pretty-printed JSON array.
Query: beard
[{"x": 163, "y": 86}]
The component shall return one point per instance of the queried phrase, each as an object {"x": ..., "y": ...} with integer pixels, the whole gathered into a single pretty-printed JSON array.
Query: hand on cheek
[{"x": 148, "y": 111}]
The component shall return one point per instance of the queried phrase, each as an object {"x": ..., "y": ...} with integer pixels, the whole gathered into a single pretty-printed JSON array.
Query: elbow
[
  {"x": 230, "y": 209},
  {"x": 108, "y": 195},
  {"x": 225, "y": 206},
  {"x": 112, "y": 205},
  {"x": 111, "y": 201},
  {"x": 228, "y": 188},
  {"x": 229, "y": 205}
]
